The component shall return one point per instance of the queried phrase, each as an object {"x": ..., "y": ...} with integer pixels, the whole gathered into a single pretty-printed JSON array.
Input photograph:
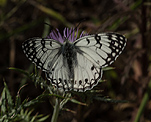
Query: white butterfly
[{"x": 71, "y": 63}]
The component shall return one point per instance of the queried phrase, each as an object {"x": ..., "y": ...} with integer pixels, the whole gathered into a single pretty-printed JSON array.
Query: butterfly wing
[
  {"x": 42, "y": 52},
  {"x": 101, "y": 49},
  {"x": 86, "y": 74},
  {"x": 60, "y": 74},
  {"x": 95, "y": 52},
  {"x": 47, "y": 55}
]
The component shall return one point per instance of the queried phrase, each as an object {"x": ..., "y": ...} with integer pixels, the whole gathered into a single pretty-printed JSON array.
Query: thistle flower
[{"x": 68, "y": 33}]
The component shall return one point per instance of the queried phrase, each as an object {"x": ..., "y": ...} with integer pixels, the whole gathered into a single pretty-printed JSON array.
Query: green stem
[
  {"x": 143, "y": 103},
  {"x": 56, "y": 111}
]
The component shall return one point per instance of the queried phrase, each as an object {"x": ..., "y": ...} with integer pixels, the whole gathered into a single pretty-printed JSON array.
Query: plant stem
[
  {"x": 56, "y": 111},
  {"x": 143, "y": 103}
]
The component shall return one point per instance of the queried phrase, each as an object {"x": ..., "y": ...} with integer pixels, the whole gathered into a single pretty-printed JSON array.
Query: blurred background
[{"x": 130, "y": 80}]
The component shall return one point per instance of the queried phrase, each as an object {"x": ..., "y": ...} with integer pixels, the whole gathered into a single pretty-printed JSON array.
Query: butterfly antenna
[{"x": 75, "y": 28}]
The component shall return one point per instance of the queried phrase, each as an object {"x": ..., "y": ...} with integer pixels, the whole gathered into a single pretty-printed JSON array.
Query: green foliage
[{"x": 16, "y": 111}]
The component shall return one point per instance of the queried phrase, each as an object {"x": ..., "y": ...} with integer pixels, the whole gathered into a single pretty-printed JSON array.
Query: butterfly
[{"x": 71, "y": 63}]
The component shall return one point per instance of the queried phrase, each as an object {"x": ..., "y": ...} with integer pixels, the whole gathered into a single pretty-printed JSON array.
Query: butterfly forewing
[
  {"x": 101, "y": 49},
  {"x": 42, "y": 52}
]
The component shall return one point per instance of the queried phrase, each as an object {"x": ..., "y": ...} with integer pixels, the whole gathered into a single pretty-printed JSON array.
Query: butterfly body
[
  {"x": 69, "y": 54},
  {"x": 75, "y": 65},
  {"x": 69, "y": 59}
]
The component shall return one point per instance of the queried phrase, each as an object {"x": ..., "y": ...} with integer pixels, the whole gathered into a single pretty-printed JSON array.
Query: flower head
[{"x": 68, "y": 33}]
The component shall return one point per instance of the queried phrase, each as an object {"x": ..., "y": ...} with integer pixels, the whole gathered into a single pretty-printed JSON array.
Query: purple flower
[{"x": 68, "y": 33}]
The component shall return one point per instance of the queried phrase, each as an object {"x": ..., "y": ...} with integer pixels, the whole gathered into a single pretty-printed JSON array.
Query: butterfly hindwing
[
  {"x": 86, "y": 75},
  {"x": 60, "y": 75}
]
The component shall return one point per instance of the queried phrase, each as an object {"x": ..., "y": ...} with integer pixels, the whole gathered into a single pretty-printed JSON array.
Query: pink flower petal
[{"x": 70, "y": 34}]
